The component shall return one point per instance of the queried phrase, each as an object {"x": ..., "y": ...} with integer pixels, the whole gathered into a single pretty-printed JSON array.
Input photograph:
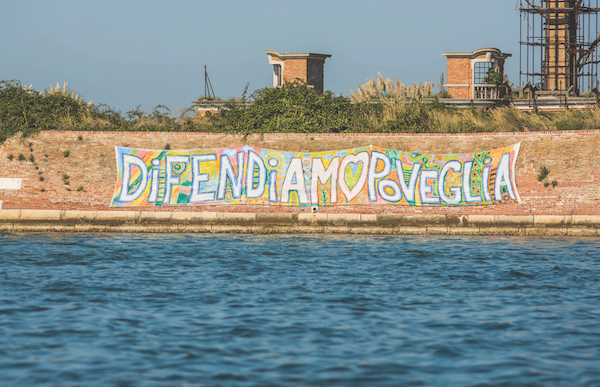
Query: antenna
[{"x": 208, "y": 86}]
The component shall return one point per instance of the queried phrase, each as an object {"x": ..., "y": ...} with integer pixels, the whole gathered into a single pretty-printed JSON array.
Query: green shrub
[
  {"x": 292, "y": 108},
  {"x": 543, "y": 173},
  {"x": 29, "y": 111},
  {"x": 414, "y": 118}
]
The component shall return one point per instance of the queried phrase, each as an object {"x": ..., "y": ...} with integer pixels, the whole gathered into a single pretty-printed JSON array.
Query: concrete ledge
[
  {"x": 368, "y": 219},
  {"x": 6, "y": 227},
  {"x": 515, "y": 220},
  {"x": 203, "y": 217},
  {"x": 439, "y": 230},
  {"x": 237, "y": 218},
  {"x": 117, "y": 216},
  {"x": 312, "y": 219},
  {"x": 585, "y": 220},
  {"x": 181, "y": 217},
  {"x": 10, "y": 215},
  {"x": 276, "y": 218},
  {"x": 482, "y": 220},
  {"x": 40, "y": 215},
  {"x": 343, "y": 219},
  {"x": 272, "y": 223},
  {"x": 155, "y": 217},
  {"x": 408, "y": 230},
  {"x": 502, "y": 231},
  {"x": 546, "y": 231},
  {"x": 79, "y": 216},
  {"x": 464, "y": 231},
  {"x": 582, "y": 231},
  {"x": 457, "y": 220},
  {"x": 551, "y": 220}
]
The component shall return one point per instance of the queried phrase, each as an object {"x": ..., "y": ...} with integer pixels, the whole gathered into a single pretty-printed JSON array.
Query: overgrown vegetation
[
  {"x": 380, "y": 106},
  {"x": 298, "y": 108},
  {"x": 294, "y": 107},
  {"x": 25, "y": 110}
]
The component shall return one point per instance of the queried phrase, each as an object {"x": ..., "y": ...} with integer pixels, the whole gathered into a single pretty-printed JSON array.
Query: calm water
[{"x": 102, "y": 309}]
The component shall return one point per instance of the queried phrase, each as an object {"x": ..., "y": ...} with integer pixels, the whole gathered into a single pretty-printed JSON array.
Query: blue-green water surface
[{"x": 318, "y": 310}]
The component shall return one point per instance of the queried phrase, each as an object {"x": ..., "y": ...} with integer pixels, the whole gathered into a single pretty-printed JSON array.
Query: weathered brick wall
[
  {"x": 459, "y": 92},
  {"x": 571, "y": 157},
  {"x": 459, "y": 73},
  {"x": 317, "y": 83},
  {"x": 294, "y": 69}
]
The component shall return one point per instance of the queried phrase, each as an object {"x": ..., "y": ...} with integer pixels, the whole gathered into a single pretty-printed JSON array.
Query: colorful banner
[{"x": 368, "y": 175}]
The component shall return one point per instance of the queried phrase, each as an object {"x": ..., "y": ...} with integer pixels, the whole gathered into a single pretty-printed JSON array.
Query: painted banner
[{"x": 368, "y": 175}]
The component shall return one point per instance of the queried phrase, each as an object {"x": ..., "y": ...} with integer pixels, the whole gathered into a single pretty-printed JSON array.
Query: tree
[{"x": 494, "y": 78}]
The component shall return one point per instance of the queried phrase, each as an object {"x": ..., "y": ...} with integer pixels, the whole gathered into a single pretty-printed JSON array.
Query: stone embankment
[
  {"x": 271, "y": 223},
  {"x": 64, "y": 181}
]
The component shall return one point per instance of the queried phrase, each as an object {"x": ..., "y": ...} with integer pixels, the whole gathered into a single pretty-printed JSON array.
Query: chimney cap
[{"x": 297, "y": 55}]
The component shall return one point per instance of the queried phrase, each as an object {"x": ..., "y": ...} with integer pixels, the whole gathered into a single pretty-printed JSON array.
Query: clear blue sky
[{"x": 130, "y": 52}]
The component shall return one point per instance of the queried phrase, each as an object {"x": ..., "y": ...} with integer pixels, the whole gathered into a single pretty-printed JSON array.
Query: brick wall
[
  {"x": 459, "y": 73},
  {"x": 571, "y": 157},
  {"x": 459, "y": 92},
  {"x": 317, "y": 83},
  {"x": 294, "y": 68}
]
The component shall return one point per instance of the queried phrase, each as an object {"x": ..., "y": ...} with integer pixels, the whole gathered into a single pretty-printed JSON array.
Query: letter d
[{"x": 128, "y": 162}]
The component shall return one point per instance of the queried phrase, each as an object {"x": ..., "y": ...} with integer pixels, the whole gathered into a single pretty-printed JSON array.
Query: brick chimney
[{"x": 304, "y": 67}]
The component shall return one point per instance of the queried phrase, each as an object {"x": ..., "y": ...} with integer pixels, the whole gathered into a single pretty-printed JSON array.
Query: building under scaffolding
[{"x": 558, "y": 45}]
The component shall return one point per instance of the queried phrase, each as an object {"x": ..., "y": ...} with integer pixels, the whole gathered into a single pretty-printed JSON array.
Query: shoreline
[{"x": 295, "y": 223}]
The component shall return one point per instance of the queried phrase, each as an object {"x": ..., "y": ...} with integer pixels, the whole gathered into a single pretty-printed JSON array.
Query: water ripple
[{"x": 238, "y": 310}]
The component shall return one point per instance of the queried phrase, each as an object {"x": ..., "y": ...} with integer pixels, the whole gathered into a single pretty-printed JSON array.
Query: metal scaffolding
[{"x": 558, "y": 45}]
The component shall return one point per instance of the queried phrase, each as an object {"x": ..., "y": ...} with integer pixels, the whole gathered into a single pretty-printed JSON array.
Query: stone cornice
[{"x": 298, "y": 55}]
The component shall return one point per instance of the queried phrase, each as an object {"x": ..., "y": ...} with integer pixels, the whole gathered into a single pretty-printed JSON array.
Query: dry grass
[
  {"x": 421, "y": 118},
  {"x": 386, "y": 90},
  {"x": 510, "y": 119},
  {"x": 63, "y": 91}
]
